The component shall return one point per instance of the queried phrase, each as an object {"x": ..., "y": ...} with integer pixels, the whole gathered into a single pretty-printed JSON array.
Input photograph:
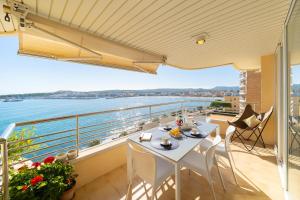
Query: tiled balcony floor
[{"x": 257, "y": 175}]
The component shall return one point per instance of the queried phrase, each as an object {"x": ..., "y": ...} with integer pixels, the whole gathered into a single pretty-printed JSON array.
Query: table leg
[
  {"x": 177, "y": 182},
  {"x": 129, "y": 174}
]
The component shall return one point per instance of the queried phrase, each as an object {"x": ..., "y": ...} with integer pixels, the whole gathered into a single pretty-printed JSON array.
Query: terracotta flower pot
[
  {"x": 72, "y": 154},
  {"x": 62, "y": 156},
  {"x": 69, "y": 194}
]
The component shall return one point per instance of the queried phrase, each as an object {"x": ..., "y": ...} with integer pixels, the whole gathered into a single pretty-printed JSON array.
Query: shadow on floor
[{"x": 257, "y": 178}]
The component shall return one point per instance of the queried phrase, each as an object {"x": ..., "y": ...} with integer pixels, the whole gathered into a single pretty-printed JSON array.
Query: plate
[
  {"x": 198, "y": 135},
  {"x": 186, "y": 128},
  {"x": 155, "y": 142}
]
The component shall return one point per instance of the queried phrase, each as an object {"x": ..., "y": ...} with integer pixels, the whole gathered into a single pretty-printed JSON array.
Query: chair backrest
[
  {"x": 265, "y": 117},
  {"x": 229, "y": 132},
  {"x": 239, "y": 123},
  {"x": 210, "y": 153},
  {"x": 267, "y": 114},
  {"x": 143, "y": 163},
  {"x": 150, "y": 125}
]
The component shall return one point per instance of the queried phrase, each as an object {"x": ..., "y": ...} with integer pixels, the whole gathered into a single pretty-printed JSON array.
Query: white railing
[
  {"x": 4, "y": 160},
  {"x": 34, "y": 140}
]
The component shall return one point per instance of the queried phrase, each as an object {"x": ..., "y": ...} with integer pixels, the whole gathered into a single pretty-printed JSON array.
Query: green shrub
[
  {"x": 19, "y": 142},
  {"x": 124, "y": 133},
  {"x": 94, "y": 142},
  {"x": 47, "y": 180},
  {"x": 200, "y": 108},
  {"x": 220, "y": 104}
]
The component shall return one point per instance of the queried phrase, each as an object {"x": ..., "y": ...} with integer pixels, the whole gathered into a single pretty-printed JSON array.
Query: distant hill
[
  {"x": 197, "y": 92},
  {"x": 296, "y": 89}
]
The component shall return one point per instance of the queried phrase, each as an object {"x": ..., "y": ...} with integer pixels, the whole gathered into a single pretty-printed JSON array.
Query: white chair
[
  {"x": 152, "y": 169},
  {"x": 202, "y": 162},
  {"x": 223, "y": 149},
  {"x": 150, "y": 125}
]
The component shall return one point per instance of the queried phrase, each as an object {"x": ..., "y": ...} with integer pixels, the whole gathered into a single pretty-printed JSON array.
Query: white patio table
[{"x": 186, "y": 144}]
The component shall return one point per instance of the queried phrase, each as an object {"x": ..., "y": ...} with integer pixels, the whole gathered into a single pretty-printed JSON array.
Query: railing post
[
  {"x": 77, "y": 134},
  {"x": 182, "y": 110},
  {"x": 150, "y": 113},
  {"x": 5, "y": 180}
]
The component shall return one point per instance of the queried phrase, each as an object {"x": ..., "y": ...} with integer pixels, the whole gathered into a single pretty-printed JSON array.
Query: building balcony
[
  {"x": 242, "y": 99},
  {"x": 102, "y": 166},
  {"x": 242, "y": 92}
]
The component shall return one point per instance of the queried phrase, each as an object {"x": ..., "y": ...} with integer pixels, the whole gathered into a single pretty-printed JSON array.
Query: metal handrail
[
  {"x": 102, "y": 112},
  {"x": 4, "y": 166},
  {"x": 8, "y": 131},
  {"x": 43, "y": 142},
  {"x": 43, "y": 135}
]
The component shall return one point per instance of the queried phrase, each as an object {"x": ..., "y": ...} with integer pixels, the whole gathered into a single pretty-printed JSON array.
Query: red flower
[
  {"x": 50, "y": 159},
  {"x": 36, "y": 180},
  {"x": 25, "y": 187},
  {"x": 36, "y": 164}
]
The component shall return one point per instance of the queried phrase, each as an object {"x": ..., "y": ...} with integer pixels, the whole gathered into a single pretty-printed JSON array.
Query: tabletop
[{"x": 186, "y": 144}]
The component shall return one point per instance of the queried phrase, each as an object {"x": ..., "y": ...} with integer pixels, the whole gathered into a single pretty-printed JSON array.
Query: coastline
[
  {"x": 35, "y": 108},
  {"x": 92, "y": 98}
]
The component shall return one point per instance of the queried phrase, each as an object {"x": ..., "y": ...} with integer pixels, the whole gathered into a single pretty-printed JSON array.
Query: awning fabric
[
  {"x": 64, "y": 43},
  {"x": 140, "y": 35}
]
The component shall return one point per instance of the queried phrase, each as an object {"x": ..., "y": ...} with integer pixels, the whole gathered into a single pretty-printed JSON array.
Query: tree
[
  {"x": 220, "y": 104},
  {"x": 20, "y": 142}
]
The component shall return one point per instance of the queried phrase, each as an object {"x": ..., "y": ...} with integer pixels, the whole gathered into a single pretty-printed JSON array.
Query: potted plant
[
  {"x": 72, "y": 154},
  {"x": 61, "y": 156},
  {"x": 140, "y": 125},
  {"x": 52, "y": 179}
]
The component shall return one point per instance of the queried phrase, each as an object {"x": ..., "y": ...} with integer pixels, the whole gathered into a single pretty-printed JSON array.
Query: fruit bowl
[{"x": 175, "y": 133}]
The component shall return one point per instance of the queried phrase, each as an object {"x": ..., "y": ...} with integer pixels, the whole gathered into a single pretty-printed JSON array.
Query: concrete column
[{"x": 268, "y": 84}]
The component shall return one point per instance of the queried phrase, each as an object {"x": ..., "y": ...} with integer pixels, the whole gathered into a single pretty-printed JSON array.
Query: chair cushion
[{"x": 252, "y": 121}]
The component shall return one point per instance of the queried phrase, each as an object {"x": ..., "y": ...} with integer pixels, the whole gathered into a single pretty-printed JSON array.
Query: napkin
[{"x": 145, "y": 136}]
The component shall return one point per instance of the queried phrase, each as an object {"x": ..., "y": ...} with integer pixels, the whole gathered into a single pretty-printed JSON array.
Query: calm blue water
[
  {"x": 95, "y": 127},
  {"x": 44, "y": 108}
]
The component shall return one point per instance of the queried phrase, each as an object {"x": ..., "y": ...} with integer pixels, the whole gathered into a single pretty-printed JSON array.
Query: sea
[
  {"x": 34, "y": 109},
  {"x": 96, "y": 127}
]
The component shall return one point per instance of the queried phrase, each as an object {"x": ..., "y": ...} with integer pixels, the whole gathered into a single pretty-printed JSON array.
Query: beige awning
[
  {"x": 34, "y": 44},
  {"x": 55, "y": 41}
]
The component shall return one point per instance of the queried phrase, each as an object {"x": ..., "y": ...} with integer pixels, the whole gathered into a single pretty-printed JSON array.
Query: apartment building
[
  {"x": 250, "y": 87},
  {"x": 234, "y": 100}
]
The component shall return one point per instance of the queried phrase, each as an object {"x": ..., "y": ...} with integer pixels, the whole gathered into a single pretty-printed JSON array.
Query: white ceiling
[{"x": 240, "y": 31}]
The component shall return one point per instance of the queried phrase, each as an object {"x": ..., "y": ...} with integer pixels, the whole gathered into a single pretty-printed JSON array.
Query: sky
[{"x": 24, "y": 74}]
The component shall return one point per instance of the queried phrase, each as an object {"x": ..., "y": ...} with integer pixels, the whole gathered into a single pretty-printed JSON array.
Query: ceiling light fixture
[
  {"x": 200, "y": 41},
  {"x": 200, "y": 38},
  {"x": 7, "y": 18}
]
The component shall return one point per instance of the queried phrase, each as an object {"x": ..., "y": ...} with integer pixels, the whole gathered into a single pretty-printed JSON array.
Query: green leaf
[
  {"x": 19, "y": 187},
  {"x": 44, "y": 183}
]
